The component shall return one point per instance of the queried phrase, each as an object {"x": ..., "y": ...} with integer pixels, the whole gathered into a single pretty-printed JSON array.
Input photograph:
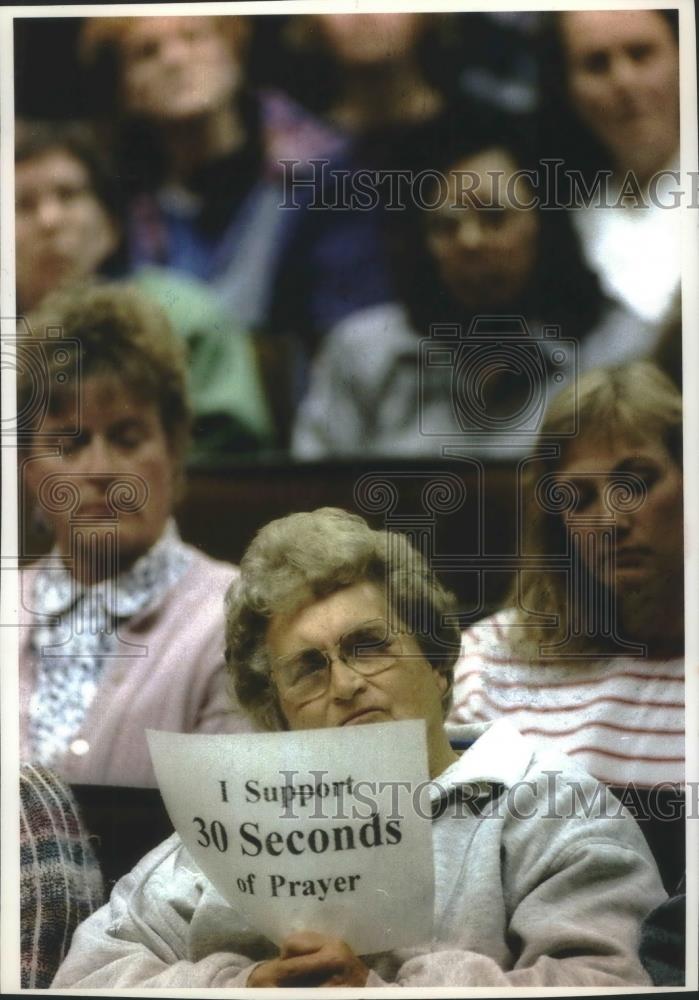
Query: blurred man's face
[
  {"x": 485, "y": 256},
  {"x": 623, "y": 79},
  {"x": 175, "y": 68},
  {"x": 63, "y": 232}
]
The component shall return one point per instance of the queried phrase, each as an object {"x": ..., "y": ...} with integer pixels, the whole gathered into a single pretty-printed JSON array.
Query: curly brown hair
[{"x": 123, "y": 335}]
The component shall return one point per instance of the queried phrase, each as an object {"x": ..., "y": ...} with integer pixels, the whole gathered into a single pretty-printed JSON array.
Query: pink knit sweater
[{"x": 180, "y": 685}]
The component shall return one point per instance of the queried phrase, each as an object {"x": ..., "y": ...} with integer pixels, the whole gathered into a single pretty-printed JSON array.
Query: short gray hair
[{"x": 305, "y": 557}]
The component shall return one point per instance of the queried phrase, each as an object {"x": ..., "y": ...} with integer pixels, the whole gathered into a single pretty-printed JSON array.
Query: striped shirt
[
  {"x": 60, "y": 879},
  {"x": 621, "y": 718}
]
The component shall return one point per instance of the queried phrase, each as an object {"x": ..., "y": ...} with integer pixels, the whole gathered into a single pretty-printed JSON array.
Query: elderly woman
[
  {"x": 611, "y": 98},
  {"x": 122, "y": 629},
  {"x": 591, "y": 659},
  {"x": 549, "y": 902}
]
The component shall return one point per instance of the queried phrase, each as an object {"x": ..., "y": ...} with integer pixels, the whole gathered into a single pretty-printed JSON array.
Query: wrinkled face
[
  {"x": 366, "y": 39},
  {"x": 649, "y": 540},
  {"x": 63, "y": 233},
  {"x": 623, "y": 79},
  {"x": 174, "y": 68},
  {"x": 485, "y": 255},
  {"x": 120, "y": 436},
  {"x": 410, "y": 689}
]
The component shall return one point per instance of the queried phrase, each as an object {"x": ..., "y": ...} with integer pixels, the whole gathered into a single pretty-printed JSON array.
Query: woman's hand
[{"x": 310, "y": 959}]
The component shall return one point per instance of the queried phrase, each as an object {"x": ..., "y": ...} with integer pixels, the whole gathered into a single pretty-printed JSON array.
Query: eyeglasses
[{"x": 369, "y": 649}]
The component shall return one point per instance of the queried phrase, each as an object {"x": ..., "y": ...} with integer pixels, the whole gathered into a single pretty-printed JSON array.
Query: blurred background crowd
[
  {"x": 185, "y": 153},
  {"x": 302, "y": 255}
]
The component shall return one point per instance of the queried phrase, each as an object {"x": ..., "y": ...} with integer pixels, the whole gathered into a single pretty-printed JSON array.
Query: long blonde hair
[{"x": 633, "y": 403}]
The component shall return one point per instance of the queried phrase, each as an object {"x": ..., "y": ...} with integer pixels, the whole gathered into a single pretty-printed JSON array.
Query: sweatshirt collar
[{"x": 498, "y": 755}]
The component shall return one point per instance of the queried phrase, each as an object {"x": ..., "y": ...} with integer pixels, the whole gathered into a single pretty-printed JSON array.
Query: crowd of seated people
[
  {"x": 316, "y": 578},
  {"x": 219, "y": 302},
  {"x": 257, "y": 160},
  {"x": 201, "y": 151},
  {"x": 578, "y": 900},
  {"x": 486, "y": 250},
  {"x": 70, "y": 232}
]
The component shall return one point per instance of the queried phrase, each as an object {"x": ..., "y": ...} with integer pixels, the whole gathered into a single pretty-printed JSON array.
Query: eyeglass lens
[{"x": 369, "y": 649}]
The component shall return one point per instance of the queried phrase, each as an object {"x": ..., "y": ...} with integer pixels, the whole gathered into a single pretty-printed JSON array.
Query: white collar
[
  {"x": 56, "y": 591},
  {"x": 499, "y": 755}
]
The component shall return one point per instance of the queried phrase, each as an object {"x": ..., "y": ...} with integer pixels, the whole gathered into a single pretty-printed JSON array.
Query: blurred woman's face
[
  {"x": 649, "y": 531},
  {"x": 623, "y": 80},
  {"x": 485, "y": 244},
  {"x": 120, "y": 436},
  {"x": 175, "y": 68},
  {"x": 63, "y": 232},
  {"x": 367, "y": 39}
]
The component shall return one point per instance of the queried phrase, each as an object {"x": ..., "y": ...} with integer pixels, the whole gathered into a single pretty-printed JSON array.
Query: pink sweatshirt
[{"x": 180, "y": 685}]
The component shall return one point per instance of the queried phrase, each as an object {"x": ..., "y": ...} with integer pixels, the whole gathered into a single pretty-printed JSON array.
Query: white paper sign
[{"x": 311, "y": 830}]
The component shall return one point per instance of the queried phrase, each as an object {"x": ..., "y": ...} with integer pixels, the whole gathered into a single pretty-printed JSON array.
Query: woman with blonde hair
[{"x": 589, "y": 651}]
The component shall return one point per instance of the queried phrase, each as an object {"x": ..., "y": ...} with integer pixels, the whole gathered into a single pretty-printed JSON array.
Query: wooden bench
[{"x": 463, "y": 516}]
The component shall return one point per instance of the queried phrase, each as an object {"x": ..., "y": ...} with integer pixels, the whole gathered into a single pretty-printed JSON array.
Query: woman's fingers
[
  {"x": 302, "y": 942},
  {"x": 311, "y": 959}
]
